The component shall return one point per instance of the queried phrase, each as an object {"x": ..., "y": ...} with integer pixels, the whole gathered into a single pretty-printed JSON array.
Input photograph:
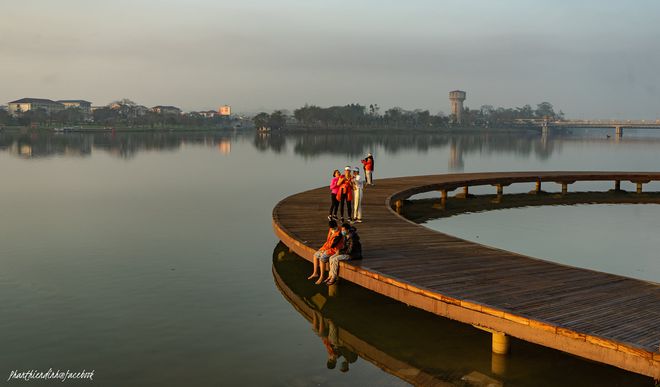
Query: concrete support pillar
[
  {"x": 443, "y": 198},
  {"x": 619, "y": 131},
  {"x": 538, "y": 187},
  {"x": 501, "y": 343},
  {"x": 564, "y": 188},
  {"x": 617, "y": 185},
  {"x": 639, "y": 187}
]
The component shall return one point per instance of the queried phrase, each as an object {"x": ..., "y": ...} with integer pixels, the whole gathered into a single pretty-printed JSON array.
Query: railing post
[
  {"x": 500, "y": 189},
  {"x": 617, "y": 185},
  {"x": 564, "y": 188},
  {"x": 466, "y": 191},
  {"x": 639, "y": 187}
]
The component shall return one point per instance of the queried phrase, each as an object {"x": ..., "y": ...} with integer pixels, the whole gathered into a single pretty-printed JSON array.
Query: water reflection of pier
[
  {"x": 404, "y": 352},
  {"x": 422, "y": 349}
]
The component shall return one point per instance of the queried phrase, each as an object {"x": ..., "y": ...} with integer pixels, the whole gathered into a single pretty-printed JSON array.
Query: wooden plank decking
[{"x": 599, "y": 316}]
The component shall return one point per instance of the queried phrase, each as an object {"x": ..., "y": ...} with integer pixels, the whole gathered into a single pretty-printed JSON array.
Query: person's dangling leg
[
  {"x": 315, "y": 273},
  {"x": 334, "y": 267},
  {"x": 322, "y": 262}
]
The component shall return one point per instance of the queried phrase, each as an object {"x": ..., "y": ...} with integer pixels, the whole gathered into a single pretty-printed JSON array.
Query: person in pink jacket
[{"x": 334, "y": 206}]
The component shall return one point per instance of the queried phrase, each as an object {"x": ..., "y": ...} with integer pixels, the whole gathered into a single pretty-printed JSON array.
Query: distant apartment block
[
  {"x": 225, "y": 110},
  {"x": 83, "y": 105},
  {"x": 26, "y": 104},
  {"x": 166, "y": 110},
  {"x": 208, "y": 113}
]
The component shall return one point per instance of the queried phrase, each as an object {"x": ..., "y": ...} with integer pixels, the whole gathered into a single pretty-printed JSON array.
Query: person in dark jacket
[{"x": 351, "y": 249}]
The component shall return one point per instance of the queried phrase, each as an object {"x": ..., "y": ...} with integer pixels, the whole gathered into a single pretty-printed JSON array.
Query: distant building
[
  {"x": 456, "y": 98},
  {"x": 208, "y": 113},
  {"x": 26, "y": 104},
  {"x": 166, "y": 109},
  {"x": 127, "y": 110},
  {"x": 83, "y": 105},
  {"x": 224, "y": 110}
]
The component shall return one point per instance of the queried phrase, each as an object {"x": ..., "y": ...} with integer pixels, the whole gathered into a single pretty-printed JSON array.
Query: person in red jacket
[
  {"x": 333, "y": 242},
  {"x": 345, "y": 193},
  {"x": 368, "y": 163},
  {"x": 334, "y": 203}
]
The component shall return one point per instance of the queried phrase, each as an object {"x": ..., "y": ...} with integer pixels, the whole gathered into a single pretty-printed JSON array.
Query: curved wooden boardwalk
[{"x": 599, "y": 316}]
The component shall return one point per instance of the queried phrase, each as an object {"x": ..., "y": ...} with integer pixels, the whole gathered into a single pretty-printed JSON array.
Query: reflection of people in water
[{"x": 328, "y": 331}]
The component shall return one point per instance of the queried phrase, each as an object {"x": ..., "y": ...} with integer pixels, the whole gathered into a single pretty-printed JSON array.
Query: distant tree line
[
  {"x": 275, "y": 120},
  {"x": 361, "y": 116},
  {"x": 127, "y": 113},
  {"x": 487, "y": 115},
  {"x": 40, "y": 116}
]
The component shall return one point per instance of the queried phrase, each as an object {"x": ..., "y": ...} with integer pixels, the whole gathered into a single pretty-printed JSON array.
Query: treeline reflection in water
[
  {"x": 124, "y": 145},
  {"x": 354, "y": 145},
  {"x": 421, "y": 348},
  {"x": 304, "y": 144}
]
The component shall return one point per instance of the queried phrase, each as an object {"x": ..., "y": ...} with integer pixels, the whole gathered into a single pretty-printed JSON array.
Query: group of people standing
[{"x": 346, "y": 191}]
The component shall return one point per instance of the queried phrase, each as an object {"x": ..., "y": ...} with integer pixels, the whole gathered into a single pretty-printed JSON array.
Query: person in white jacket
[{"x": 358, "y": 190}]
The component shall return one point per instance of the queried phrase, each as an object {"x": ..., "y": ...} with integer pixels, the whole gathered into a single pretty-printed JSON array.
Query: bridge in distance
[{"x": 617, "y": 125}]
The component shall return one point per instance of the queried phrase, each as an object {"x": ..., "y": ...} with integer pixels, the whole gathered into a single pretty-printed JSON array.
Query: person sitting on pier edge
[
  {"x": 334, "y": 203},
  {"x": 351, "y": 250},
  {"x": 368, "y": 163},
  {"x": 345, "y": 193},
  {"x": 358, "y": 189},
  {"x": 333, "y": 242}
]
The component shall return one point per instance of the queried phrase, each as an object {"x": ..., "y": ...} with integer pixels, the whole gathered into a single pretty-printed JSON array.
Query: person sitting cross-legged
[
  {"x": 351, "y": 250},
  {"x": 332, "y": 243}
]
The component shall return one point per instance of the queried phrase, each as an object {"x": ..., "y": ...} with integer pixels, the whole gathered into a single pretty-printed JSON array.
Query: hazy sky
[{"x": 589, "y": 58}]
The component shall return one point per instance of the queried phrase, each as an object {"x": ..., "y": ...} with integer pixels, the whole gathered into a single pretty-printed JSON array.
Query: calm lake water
[{"x": 149, "y": 257}]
